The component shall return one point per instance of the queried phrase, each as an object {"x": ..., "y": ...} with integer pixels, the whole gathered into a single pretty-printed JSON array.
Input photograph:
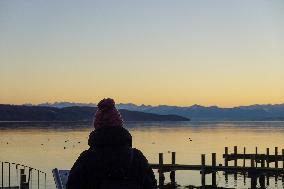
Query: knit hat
[{"x": 107, "y": 115}]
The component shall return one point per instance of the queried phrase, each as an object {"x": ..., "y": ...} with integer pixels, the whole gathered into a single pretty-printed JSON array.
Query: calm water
[{"x": 49, "y": 145}]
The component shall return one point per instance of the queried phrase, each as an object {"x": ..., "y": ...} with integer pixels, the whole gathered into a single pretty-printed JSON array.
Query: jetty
[{"x": 259, "y": 167}]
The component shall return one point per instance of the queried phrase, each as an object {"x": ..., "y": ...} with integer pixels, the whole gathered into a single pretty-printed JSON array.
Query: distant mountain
[
  {"x": 266, "y": 112},
  {"x": 73, "y": 113},
  {"x": 214, "y": 113}
]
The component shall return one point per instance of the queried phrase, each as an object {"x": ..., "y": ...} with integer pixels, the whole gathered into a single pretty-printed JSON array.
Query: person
[{"x": 111, "y": 162}]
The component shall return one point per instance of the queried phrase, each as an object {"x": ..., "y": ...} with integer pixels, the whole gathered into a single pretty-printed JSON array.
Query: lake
[{"x": 49, "y": 145}]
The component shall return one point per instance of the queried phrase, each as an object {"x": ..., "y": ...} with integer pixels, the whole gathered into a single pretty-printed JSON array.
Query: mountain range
[{"x": 264, "y": 112}]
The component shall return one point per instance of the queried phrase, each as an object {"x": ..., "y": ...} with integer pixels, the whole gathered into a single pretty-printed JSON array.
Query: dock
[{"x": 259, "y": 167}]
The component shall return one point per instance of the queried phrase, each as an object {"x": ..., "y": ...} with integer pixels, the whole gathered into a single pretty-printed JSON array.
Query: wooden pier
[{"x": 253, "y": 171}]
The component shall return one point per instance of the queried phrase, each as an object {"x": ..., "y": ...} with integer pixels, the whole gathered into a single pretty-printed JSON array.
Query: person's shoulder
[
  {"x": 85, "y": 155},
  {"x": 137, "y": 151},
  {"x": 139, "y": 154}
]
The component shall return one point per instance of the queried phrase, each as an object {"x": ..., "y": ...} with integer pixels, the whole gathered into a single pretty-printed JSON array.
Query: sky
[{"x": 222, "y": 52}]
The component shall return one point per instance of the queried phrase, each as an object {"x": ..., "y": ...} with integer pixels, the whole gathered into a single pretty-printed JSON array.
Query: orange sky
[{"x": 176, "y": 53}]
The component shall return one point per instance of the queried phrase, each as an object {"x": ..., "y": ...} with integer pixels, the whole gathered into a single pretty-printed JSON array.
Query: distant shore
[{"x": 75, "y": 113}]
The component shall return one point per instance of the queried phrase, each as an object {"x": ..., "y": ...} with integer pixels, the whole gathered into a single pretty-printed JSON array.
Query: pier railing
[{"x": 18, "y": 176}]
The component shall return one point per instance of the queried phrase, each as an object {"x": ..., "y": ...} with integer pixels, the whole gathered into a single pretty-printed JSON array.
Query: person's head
[{"x": 107, "y": 115}]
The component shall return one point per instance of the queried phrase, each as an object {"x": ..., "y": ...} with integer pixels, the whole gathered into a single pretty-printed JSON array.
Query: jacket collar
[{"x": 110, "y": 137}]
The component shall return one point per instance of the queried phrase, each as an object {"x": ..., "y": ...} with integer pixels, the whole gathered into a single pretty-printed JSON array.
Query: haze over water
[{"x": 49, "y": 145}]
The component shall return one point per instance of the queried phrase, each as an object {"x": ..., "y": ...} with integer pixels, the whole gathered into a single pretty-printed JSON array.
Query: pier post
[
  {"x": 173, "y": 173},
  {"x": 226, "y": 156},
  {"x": 283, "y": 167},
  {"x": 276, "y": 163},
  {"x": 2, "y": 174},
  {"x": 245, "y": 179},
  {"x": 236, "y": 153},
  {"x": 37, "y": 179},
  {"x": 262, "y": 162},
  {"x": 22, "y": 171},
  {"x": 226, "y": 163},
  {"x": 161, "y": 173},
  {"x": 256, "y": 154},
  {"x": 283, "y": 158},
  {"x": 23, "y": 179},
  {"x": 214, "y": 171},
  {"x": 252, "y": 160},
  {"x": 253, "y": 176},
  {"x": 9, "y": 175},
  {"x": 203, "y": 170},
  {"x": 276, "y": 154},
  {"x": 262, "y": 177},
  {"x": 267, "y": 157},
  {"x": 267, "y": 165},
  {"x": 44, "y": 180},
  {"x": 235, "y": 162},
  {"x": 244, "y": 163}
]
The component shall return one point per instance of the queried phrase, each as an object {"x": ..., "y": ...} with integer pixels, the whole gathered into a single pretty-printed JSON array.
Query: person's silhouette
[{"x": 111, "y": 162}]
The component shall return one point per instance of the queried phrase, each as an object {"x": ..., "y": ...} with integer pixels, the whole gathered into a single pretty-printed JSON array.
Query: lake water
[{"x": 49, "y": 145}]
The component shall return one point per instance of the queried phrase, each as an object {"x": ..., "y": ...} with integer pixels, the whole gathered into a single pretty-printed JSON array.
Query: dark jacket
[{"x": 110, "y": 149}]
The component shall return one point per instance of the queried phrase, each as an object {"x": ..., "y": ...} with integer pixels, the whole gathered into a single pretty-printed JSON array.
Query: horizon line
[{"x": 121, "y": 103}]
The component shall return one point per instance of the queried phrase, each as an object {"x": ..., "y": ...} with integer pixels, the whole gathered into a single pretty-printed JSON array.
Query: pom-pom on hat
[{"x": 107, "y": 115}]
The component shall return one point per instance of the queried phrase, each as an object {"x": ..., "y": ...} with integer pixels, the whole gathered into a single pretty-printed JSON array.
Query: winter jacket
[{"x": 110, "y": 151}]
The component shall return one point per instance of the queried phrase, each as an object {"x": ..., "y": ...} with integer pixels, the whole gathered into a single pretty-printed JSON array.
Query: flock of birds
[{"x": 79, "y": 142}]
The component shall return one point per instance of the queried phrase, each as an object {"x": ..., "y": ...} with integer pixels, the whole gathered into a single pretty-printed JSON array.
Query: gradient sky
[{"x": 208, "y": 52}]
